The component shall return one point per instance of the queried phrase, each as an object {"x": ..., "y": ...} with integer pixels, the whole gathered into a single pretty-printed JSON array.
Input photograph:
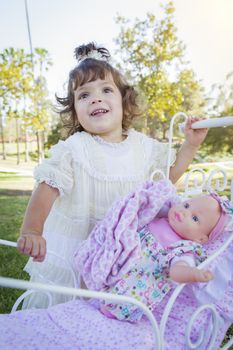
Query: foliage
[
  {"x": 23, "y": 91},
  {"x": 55, "y": 135},
  {"x": 221, "y": 139},
  {"x": 153, "y": 57},
  {"x": 39, "y": 96},
  {"x": 192, "y": 92}
]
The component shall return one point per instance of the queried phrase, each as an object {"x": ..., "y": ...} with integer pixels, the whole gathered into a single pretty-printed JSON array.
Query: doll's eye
[
  {"x": 186, "y": 205},
  {"x": 195, "y": 218}
]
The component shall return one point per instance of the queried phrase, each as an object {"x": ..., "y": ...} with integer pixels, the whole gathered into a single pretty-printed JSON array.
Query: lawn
[
  {"x": 12, "y": 181},
  {"x": 12, "y": 208}
]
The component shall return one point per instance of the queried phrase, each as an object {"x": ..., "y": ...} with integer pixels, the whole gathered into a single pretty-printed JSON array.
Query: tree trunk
[
  {"x": 3, "y": 140},
  {"x": 153, "y": 128},
  {"x": 164, "y": 132},
  {"x": 26, "y": 131},
  {"x": 26, "y": 146},
  {"x": 17, "y": 140},
  {"x": 42, "y": 144},
  {"x": 38, "y": 146}
]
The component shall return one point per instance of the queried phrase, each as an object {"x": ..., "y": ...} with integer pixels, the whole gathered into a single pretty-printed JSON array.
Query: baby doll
[{"x": 171, "y": 248}]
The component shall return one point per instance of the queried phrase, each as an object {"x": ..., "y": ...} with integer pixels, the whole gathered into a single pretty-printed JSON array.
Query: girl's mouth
[{"x": 99, "y": 112}]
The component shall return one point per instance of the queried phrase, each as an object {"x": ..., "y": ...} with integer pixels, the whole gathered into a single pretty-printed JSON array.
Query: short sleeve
[
  {"x": 188, "y": 258},
  {"x": 57, "y": 170}
]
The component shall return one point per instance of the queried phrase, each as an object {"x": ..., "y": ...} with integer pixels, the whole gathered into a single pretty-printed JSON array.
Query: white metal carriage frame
[{"x": 158, "y": 329}]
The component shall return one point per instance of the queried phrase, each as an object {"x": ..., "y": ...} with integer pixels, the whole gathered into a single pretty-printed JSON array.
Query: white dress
[{"x": 90, "y": 174}]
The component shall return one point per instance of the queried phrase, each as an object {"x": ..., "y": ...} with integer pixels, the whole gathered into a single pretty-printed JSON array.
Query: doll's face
[{"x": 194, "y": 219}]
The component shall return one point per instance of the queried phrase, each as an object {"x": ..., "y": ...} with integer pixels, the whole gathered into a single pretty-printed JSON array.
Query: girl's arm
[
  {"x": 193, "y": 139},
  {"x": 31, "y": 241},
  {"x": 181, "y": 272}
]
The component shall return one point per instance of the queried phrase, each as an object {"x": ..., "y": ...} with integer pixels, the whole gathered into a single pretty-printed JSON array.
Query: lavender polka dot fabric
[{"x": 80, "y": 325}]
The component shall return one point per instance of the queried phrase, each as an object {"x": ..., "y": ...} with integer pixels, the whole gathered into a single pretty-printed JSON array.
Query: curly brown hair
[{"x": 91, "y": 69}]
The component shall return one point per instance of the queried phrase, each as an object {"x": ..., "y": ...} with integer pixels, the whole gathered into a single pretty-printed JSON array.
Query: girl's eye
[
  {"x": 195, "y": 218},
  {"x": 83, "y": 96},
  {"x": 186, "y": 205},
  {"x": 108, "y": 89}
]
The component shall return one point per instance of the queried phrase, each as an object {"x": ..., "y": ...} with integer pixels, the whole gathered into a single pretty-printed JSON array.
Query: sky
[{"x": 204, "y": 26}]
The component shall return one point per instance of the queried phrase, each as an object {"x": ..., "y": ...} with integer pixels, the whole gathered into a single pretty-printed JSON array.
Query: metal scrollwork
[
  {"x": 217, "y": 184},
  {"x": 195, "y": 181},
  {"x": 212, "y": 328}
]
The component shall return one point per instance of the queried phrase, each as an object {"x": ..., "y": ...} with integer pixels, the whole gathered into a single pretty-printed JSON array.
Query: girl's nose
[{"x": 96, "y": 100}]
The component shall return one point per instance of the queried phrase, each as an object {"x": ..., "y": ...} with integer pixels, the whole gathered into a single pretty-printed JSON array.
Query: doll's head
[{"x": 198, "y": 219}]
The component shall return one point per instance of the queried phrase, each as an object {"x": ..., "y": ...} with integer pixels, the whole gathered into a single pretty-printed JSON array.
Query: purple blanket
[
  {"x": 80, "y": 325},
  {"x": 114, "y": 244}
]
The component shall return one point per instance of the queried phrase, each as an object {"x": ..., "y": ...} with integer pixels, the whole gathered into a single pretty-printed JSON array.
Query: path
[{"x": 27, "y": 170}]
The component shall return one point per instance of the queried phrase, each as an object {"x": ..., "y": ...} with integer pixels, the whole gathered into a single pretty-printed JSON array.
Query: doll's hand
[
  {"x": 33, "y": 245},
  {"x": 202, "y": 275},
  {"x": 194, "y": 136}
]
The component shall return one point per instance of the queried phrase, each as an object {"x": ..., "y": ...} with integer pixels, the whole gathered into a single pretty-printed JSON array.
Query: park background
[{"x": 178, "y": 54}]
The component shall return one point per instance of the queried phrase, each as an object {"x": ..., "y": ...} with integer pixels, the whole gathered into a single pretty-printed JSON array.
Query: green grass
[
  {"x": 12, "y": 181},
  {"x": 11, "y": 177},
  {"x": 12, "y": 209}
]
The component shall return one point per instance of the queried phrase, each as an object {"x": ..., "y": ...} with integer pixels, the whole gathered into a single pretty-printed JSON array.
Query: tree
[
  {"x": 153, "y": 58},
  {"x": 192, "y": 92},
  {"x": 221, "y": 139},
  {"x": 24, "y": 94},
  {"x": 55, "y": 135},
  {"x": 39, "y": 95},
  {"x": 10, "y": 76}
]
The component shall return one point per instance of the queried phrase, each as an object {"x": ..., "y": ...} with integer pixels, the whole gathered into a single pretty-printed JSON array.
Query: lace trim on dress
[
  {"x": 51, "y": 183},
  {"x": 149, "y": 162},
  {"x": 100, "y": 140},
  {"x": 93, "y": 162}
]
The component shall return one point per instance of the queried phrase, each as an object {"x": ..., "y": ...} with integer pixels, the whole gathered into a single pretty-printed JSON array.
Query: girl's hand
[
  {"x": 194, "y": 136},
  {"x": 33, "y": 245}
]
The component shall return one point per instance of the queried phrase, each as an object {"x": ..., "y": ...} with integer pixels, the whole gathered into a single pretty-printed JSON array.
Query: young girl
[
  {"x": 100, "y": 161},
  {"x": 123, "y": 256}
]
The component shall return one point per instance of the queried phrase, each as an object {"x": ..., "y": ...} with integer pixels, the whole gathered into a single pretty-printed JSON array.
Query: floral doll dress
[{"x": 148, "y": 281}]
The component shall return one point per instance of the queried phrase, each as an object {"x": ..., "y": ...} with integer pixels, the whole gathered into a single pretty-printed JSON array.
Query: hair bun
[{"x": 91, "y": 50}]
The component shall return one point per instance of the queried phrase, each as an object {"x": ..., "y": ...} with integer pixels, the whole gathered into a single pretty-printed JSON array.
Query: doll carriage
[{"x": 189, "y": 317}]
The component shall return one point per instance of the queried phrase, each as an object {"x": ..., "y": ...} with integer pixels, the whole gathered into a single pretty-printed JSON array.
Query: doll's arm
[{"x": 181, "y": 272}]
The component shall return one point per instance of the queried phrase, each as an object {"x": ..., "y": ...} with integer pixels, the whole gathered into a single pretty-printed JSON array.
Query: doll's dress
[{"x": 148, "y": 281}]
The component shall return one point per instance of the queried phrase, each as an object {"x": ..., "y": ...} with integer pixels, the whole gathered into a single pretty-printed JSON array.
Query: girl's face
[
  {"x": 98, "y": 105},
  {"x": 195, "y": 218}
]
